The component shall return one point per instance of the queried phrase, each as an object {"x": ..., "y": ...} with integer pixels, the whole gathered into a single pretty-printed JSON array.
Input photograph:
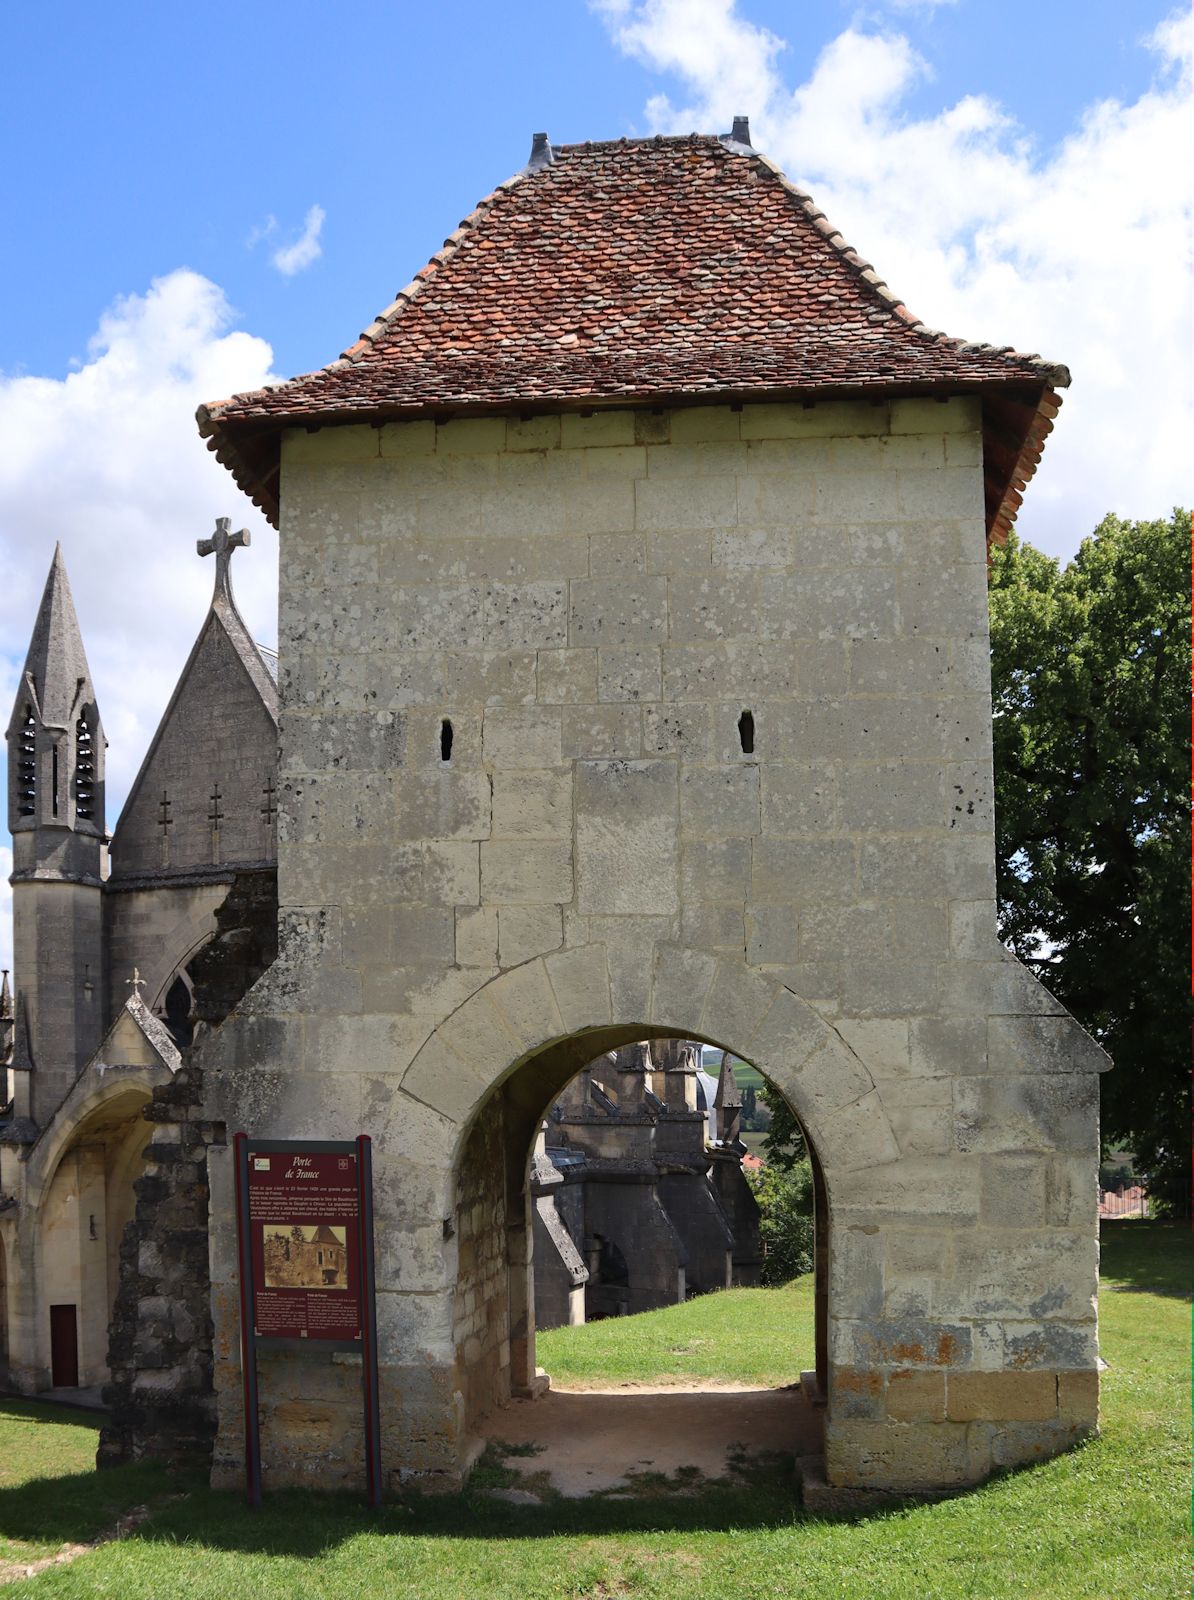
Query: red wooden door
[{"x": 64, "y": 1347}]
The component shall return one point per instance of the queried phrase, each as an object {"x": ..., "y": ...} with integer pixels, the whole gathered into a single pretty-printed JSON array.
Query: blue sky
[{"x": 200, "y": 199}]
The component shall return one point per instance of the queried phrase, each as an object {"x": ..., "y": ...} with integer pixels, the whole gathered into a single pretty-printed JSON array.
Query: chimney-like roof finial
[
  {"x": 740, "y": 132},
  {"x": 542, "y": 154}
]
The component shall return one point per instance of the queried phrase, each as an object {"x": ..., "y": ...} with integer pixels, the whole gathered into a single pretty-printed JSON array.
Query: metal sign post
[{"x": 304, "y": 1213}]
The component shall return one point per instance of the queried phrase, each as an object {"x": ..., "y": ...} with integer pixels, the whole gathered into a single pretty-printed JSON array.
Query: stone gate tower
[{"x": 634, "y": 683}]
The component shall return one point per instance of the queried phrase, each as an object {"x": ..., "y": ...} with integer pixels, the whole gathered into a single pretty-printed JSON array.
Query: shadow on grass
[{"x": 1146, "y": 1257}]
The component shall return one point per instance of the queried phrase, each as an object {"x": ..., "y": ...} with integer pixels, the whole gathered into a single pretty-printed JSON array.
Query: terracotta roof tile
[{"x": 654, "y": 271}]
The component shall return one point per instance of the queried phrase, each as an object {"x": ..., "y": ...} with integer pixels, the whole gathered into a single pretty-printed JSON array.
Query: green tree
[
  {"x": 785, "y": 1200},
  {"x": 1090, "y": 669}
]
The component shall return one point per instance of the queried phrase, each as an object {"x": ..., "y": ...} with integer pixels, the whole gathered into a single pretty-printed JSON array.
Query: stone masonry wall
[{"x": 517, "y": 802}]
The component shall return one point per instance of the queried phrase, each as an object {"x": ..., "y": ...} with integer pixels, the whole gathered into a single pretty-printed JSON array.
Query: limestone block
[
  {"x": 402, "y": 439},
  {"x": 526, "y": 872},
  {"x": 948, "y": 1046},
  {"x": 626, "y": 846},
  {"x": 1015, "y": 992},
  {"x": 854, "y": 1392},
  {"x": 772, "y": 935},
  {"x": 855, "y": 1135},
  {"x": 724, "y": 605},
  {"x": 1059, "y": 1112},
  {"x": 526, "y": 615},
  {"x": 532, "y": 805},
  {"x": 917, "y": 1253},
  {"x": 1013, "y": 1192},
  {"x": 442, "y": 1081},
  {"x": 959, "y": 414},
  {"x": 941, "y": 492},
  {"x": 673, "y": 502},
  {"x": 1008, "y": 1272},
  {"x": 630, "y": 952},
  {"x": 628, "y": 673},
  {"x": 682, "y": 978},
  {"x": 946, "y": 599},
  {"x": 1023, "y": 1443},
  {"x": 719, "y": 802},
  {"x": 679, "y": 550},
  {"x": 1029, "y": 1346},
  {"x": 533, "y": 433},
  {"x": 527, "y": 1003},
  {"x": 601, "y": 732},
  {"x": 826, "y": 603},
  {"x": 421, "y": 989},
  {"x": 605, "y": 501},
  {"x": 614, "y": 463},
  {"x": 434, "y": 872},
  {"x": 964, "y": 450},
  {"x": 443, "y": 805},
  {"x": 567, "y": 677},
  {"x": 902, "y": 1455},
  {"x": 892, "y": 797},
  {"x": 881, "y": 1044},
  {"x": 1001, "y": 1396},
  {"x": 919, "y": 1192},
  {"x": 713, "y": 927},
  {"x": 1078, "y": 1397},
  {"x": 715, "y": 869},
  {"x": 779, "y": 502},
  {"x": 916, "y": 1396},
  {"x": 742, "y": 669},
  {"x": 1024, "y": 1045},
  {"x": 785, "y": 1038},
  {"x": 618, "y": 611},
  {"x": 901, "y": 666},
  {"x": 395, "y": 1122},
  {"x": 803, "y": 872},
  {"x": 598, "y": 429},
  {"x": 1071, "y": 1192},
  {"x": 701, "y": 424},
  {"x": 677, "y": 731},
  {"x": 858, "y": 1283},
  {"x": 614, "y": 555},
  {"x": 800, "y": 798},
  {"x": 827, "y": 419},
  {"x": 504, "y": 560},
  {"x": 528, "y": 931},
  {"x": 738, "y": 1001},
  {"x": 471, "y": 436},
  {"x": 522, "y": 737},
  {"x": 331, "y": 446},
  {"x": 972, "y": 934},
  {"x": 921, "y": 1114},
  {"x": 477, "y": 936},
  {"x": 522, "y": 505},
  {"x": 580, "y": 981}
]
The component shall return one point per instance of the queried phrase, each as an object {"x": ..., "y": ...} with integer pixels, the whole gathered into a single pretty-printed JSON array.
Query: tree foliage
[
  {"x": 785, "y": 1201},
  {"x": 1090, "y": 672}
]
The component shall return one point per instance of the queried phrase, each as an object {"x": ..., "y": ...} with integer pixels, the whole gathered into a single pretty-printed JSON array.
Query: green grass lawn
[{"x": 1107, "y": 1522}]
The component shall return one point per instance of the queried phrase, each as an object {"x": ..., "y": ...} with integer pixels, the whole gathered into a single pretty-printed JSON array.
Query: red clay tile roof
[{"x": 659, "y": 271}]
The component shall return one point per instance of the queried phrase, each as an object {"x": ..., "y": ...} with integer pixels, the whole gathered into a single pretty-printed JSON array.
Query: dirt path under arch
[{"x": 637, "y": 1438}]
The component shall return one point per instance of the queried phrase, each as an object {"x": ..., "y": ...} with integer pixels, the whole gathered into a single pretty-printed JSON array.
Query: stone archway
[{"x": 553, "y": 1015}]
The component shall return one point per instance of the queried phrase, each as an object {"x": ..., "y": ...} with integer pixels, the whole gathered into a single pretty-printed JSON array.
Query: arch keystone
[
  {"x": 580, "y": 982},
  {"x": 736, "y": 1004},
  {"x": 680, "y": 985}
]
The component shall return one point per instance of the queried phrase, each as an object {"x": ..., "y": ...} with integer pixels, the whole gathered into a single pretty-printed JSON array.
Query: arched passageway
[
  {"x": 682, "y": 1222},
  {"x": 87, "y": 1201}
]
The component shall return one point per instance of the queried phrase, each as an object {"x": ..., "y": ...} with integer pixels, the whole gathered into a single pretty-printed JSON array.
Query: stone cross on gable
[{"x": 223, "y": 543}]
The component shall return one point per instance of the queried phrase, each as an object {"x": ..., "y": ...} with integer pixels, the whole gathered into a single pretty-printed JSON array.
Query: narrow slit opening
[
  {"x": 746, "y": 733},
  {"x": 54, "y": 783},
  {"x": 445, "y": 740}
]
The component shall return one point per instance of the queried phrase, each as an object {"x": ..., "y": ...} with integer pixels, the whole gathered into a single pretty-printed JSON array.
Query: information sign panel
[
  {"x": 305, "y": 1229},
  {"x": 304, "y": 1226}
]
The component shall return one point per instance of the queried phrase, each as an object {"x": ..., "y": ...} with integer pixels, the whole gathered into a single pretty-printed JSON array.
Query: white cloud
[
  {"x": 1081, "y": 252},
  {"x": 297, "y": 256},
  {"x": 108, "y": 460}
]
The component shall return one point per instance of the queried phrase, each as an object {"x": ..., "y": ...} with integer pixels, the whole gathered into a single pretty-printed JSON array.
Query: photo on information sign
[{"x": 301, "y": 1256}]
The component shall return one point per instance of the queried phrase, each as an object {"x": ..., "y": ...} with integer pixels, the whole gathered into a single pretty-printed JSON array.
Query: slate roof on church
[{"x": 656, "y": 271}]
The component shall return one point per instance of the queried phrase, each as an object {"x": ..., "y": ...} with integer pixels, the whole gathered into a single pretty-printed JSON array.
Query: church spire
[{"x": 56, "y": 744}]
